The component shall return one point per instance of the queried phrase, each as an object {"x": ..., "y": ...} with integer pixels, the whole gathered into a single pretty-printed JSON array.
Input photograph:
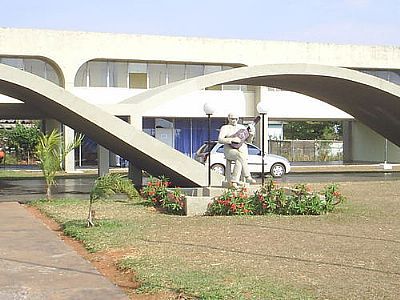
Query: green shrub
[
  {"x": 156, "y": 193},
  {"x": 298, "y": 200},
  {"x": 232, "y": 202}
]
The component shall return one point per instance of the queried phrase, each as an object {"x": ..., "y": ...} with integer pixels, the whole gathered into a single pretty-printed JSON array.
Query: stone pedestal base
[{"x": 226, "y": 184}]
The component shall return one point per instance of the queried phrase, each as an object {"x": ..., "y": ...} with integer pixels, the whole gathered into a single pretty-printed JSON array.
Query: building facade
[{"x": 105, "y": 69}]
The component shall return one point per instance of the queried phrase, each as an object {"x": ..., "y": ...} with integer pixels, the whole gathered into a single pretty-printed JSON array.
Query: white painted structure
[{"x": 76, "y": 58}]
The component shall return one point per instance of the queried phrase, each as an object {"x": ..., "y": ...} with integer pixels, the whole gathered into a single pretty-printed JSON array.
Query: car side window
[
  {"x": 253, "y": 150},
  {"x": 220, "y": 149}
]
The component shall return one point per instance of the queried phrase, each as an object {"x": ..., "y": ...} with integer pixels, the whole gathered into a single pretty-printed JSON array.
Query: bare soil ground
[{"x": 353, "y": 253}]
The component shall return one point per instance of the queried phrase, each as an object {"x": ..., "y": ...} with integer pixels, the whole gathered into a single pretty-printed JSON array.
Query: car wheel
[
  {"x": 278, "y": 170},
  {"x": 220, "y": 169}
]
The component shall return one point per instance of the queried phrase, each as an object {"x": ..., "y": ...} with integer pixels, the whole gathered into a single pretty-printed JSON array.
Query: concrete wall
[{"x": 367, "y": 145}]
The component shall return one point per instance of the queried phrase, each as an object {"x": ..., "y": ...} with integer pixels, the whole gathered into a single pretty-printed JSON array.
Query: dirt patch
[{"x": 105, "y": 261}]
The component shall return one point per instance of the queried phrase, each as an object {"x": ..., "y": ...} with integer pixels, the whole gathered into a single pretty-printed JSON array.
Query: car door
[{"x": 254, "y": 160}]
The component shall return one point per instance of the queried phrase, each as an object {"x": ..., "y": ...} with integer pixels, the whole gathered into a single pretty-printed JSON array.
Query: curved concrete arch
[
  {"x": 372, "y": 101},
  {"x": 144, "y": 151}
]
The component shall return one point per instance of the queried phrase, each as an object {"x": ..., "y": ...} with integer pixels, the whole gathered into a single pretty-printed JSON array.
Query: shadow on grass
[
  {"x": 322, "y": 233},
  {"x": 317, "y": 262}
]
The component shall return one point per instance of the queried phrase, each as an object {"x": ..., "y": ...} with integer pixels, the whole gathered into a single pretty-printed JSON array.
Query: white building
[{"x": 105, "y": 69}]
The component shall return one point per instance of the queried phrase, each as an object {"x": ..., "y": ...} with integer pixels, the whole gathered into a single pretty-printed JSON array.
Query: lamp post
[
  {"x": 209, "y": 110},
  {"x": 262, "y": 110}
]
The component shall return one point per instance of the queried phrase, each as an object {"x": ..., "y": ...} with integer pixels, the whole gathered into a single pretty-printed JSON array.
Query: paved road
[{"x": 31, "y": 189}]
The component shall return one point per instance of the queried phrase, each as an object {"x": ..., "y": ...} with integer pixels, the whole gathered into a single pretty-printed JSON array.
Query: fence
[{"x": 307, "y": 150}]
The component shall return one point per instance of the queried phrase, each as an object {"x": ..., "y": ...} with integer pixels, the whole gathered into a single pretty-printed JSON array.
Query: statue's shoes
[
  {"x": 235, "y": 184},
  {"x": 251, "y": 180}
]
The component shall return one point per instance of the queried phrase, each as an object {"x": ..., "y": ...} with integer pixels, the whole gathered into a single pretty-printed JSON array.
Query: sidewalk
[
  {"x": 343, "y": 168},
  {"x": 35, "y": 264}
]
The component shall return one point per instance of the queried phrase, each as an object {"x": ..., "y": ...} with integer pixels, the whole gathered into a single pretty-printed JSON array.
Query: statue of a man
[{"x": 235, "y": 148}]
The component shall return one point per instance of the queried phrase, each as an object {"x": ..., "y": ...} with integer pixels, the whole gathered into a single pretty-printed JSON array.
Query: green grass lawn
[
  {"x": 350, "y": 253},
  {"x": 29, "y": 174},
  {"x": 18, "y": 174}
]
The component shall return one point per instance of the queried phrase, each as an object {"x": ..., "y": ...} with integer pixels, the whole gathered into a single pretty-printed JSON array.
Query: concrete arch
[
  {"x": 372, "y": 101},
  {"x": 142, "y": 150}
]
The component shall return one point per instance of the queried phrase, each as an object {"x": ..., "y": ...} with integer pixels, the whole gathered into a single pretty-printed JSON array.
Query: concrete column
[
  {"x": 136, "y": 175},
  {"x": 69, "y": 163},
  {"x": 347, "y": 141},
  {"x": 103, "y": 158}
]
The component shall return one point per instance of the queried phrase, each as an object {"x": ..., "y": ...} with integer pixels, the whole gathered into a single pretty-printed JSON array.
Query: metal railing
[{"x": 307, "y": 150}]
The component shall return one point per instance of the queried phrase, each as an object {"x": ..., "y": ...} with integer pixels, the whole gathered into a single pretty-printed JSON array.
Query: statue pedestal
[{"x": 227, "y": 184}]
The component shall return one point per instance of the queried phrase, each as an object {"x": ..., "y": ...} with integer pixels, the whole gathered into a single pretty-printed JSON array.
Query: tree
[
  {"x": 23, "y": 138},
  {"x": 106, "y": 186},
  {"x": 313, "y": 130},
  {"x": 51, "y": 152}
]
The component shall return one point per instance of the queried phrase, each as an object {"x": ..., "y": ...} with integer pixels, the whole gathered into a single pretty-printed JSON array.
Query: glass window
[
  {"x": 253, "y": 150},
  {"x": 394, "y": 77},
  {"x": 224, "y": 68},
  {"x": 211, "y": 69},
  {"x": 137, "y": 80},
  {"x": 149, "y": 126},
  {"x": 208, "y": 69},
  {"x": 51, "y": 74},
  {"x": 231, "y": 87},
  {"x": 97, "y": 73},
  {"x": 248, "y": 88},
  {"x": 220, "y": 149},
  {"x": 157, "y": 74},
  {"x": 217, "y": 87},
  {"x": 13, "y": 62},
  {"x": 118, "y": 72},
  {"x": 35, "y": 66},
  {"x": 81, "y": 76},
  {"x": 183, "y": 136},
  {"x": 176, "y": 72},
  {"x": 137, "y": 75},
  {"x": 194, "y": 70},
  {"x": 137, "y": 67}
]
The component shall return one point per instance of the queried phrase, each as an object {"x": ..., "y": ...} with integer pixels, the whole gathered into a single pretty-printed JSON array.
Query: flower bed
[
  {"x": 299, "y": 200},
  {"x": 158, "y": 194}
]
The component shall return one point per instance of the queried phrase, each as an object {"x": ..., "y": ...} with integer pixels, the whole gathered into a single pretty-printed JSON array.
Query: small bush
[
  {"x": 232, "y": 202},
  {"x": 156, "y": 193}
]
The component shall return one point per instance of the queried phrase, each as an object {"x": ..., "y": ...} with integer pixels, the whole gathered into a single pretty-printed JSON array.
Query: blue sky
[{"x": 330, "y": 21}]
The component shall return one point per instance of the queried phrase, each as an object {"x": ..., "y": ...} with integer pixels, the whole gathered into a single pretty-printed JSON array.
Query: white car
[{"x": 275, "y": 165}]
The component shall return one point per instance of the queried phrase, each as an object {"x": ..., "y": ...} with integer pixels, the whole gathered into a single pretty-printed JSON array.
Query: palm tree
[
  {"x": 51, "y": 152},
  {"x": 106, "y": 186}
]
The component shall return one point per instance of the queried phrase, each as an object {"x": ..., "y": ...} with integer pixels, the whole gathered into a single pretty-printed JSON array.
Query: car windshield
[
  {"x": 252, "y": 150},
  {"x": 206, "y": 148}
]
